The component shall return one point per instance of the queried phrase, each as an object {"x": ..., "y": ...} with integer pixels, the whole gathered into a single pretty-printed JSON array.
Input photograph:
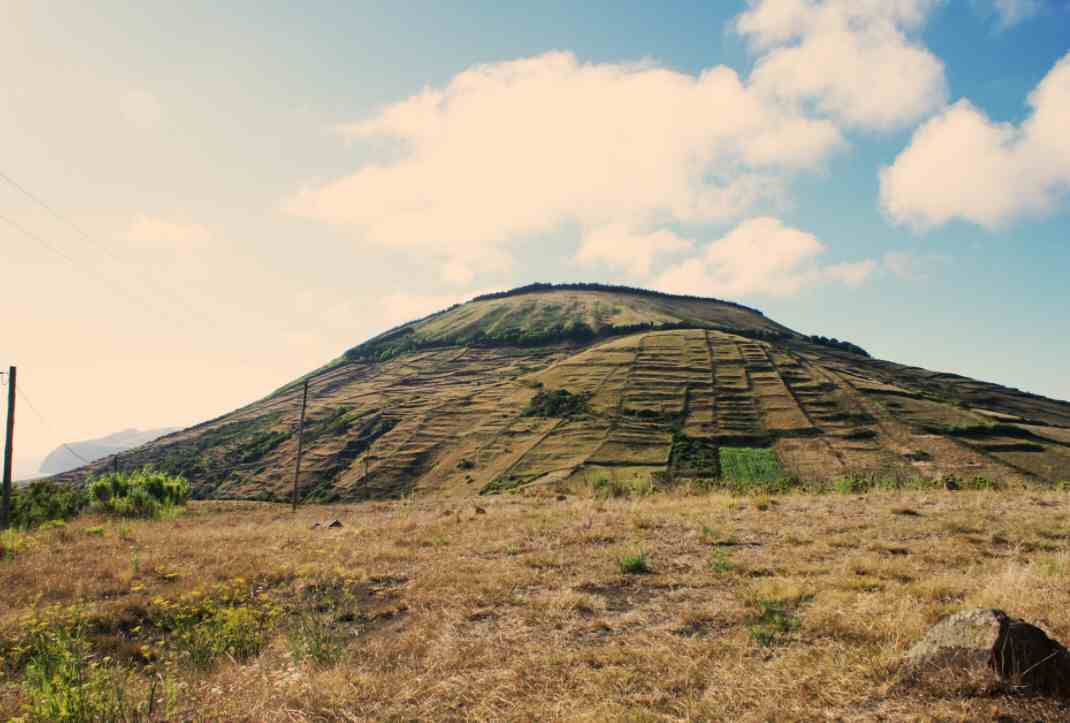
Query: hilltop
[{"x": 570, "y": 387}]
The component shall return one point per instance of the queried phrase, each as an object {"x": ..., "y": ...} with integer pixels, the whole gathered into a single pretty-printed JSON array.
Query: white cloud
[
  {"x": 1012, "y": 12},
  {"x": 962, "y": 165},
  {"x": 153, "y": 231},
  {"x": 760, "y": 256},
  {"x": 621, "y": 247},
  {"x": 852, "y": 59},
  {"x": 511, "y": 150},
  {"x": 141, "y": 109}
]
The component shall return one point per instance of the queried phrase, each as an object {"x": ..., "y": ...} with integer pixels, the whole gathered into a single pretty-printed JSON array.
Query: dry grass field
[{"x": 671, "y": 606}]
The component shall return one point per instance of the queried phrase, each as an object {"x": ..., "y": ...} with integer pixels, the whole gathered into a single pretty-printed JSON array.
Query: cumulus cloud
[
  {"x": 852, "y": 59},
  {"x": 760, "y": 256},
  {"x": 618, "y": 246},
  {"x": 962, "y": 165},
  {"x": 153, "y": 231},
  {"x": 507, "y": 151}
]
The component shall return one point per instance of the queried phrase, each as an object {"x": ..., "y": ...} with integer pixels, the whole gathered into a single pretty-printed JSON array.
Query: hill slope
[{"x": 656, "y": 388}]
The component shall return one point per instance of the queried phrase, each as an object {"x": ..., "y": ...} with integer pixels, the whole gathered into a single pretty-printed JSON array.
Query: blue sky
[{"x": 259, "y": 186}]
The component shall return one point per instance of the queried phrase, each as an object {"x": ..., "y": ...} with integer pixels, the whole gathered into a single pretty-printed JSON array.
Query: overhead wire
[
  {"x": 173, "y": 298},
  {"x": 100, "y": 279},
  {"x": 25, "y": 397}
]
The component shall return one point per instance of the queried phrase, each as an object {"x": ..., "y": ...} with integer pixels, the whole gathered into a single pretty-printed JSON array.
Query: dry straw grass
[{"x": 523, "y": 613}]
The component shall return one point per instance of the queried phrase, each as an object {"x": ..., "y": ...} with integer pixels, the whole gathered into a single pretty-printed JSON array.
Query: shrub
[
  {"x": 43, "y": 501},
  {"x": 143, "y": 493},
  {"x": 636, "y": 564},
  {"x": 558, "y": 403}
]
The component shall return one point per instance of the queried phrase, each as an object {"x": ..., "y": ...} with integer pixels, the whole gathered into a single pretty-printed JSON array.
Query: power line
[
  {"x": 57, "y": 215},
  {"x": 173, "y": 298},
  {"x": 19, "y": 390},
  {"x": 100, "y": 279}
]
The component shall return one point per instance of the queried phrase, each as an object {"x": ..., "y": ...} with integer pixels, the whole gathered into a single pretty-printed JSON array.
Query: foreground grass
[{"x": 791, "y": 608}]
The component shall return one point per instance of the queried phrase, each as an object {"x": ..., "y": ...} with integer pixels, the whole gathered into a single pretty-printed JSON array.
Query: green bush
[
  {"x": 557, "y": 403},
  {"x": 143, "y": 493},
  {"x": 41, "y": 502}
]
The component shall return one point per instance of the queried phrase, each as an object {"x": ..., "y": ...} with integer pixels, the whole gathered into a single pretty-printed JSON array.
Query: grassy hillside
[{"x": 657, "y": 394}]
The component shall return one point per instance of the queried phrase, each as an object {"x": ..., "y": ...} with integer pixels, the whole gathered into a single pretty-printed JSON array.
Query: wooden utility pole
[
  {"x": 5, "y": 507},
  {"x": 300, "y": 442}
]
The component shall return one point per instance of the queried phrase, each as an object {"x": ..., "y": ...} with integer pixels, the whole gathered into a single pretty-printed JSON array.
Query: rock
[
  {"x": 480, "y": 511},
  {"x": 561, "y": 498},
  {"x": 315, "y": 526},
  {"x": 335, "y": 525},
  {"x": 985, "y": 649},
  {"x": 951, "y": 484}
]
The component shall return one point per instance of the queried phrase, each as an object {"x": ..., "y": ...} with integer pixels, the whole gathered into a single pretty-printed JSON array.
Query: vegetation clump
[
  {"x": 146, "y": 493},
  {"x": 557, "y": 403},
  {"x": 636, "y": 564},
  {"x": 774, "y": 622},
  {"x": 693, "y": 456},
  {"x": 606, "y": 487},
  {"x": 65, "y": 681},
  {"x": 834, "y": 343},
  {"x": 142, "y": 493},
  {"x": 42, "y": 502}
]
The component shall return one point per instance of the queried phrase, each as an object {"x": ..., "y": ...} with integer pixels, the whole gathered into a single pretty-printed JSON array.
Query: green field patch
[{"x": 750, "y": 465}]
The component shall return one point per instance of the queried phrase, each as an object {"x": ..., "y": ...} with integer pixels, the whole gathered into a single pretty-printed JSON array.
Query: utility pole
[
  {"x": 300, "y": 442},
  {"x": 115, "y": 464},
  {"x": 5, "y": 509}
]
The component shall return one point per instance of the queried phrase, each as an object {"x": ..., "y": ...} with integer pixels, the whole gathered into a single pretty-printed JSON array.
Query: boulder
[
  {"x": 334, "y": 525},
  {"x": 986, "y": 650}
]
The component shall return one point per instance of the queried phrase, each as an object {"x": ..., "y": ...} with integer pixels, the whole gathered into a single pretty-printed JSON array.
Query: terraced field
[{"x": 659, "y": 405}]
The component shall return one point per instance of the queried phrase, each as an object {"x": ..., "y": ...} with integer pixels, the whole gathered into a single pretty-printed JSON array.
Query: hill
[
  {"x": 62, "y": 459},
  {"x": 579, "y": 386}
]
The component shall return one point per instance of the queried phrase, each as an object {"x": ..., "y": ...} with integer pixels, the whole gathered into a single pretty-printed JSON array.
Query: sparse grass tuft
[
  {"x": 635, "y": 564},
  {"x": 774, "y": 622},
  {"x": 12, "y": 542},
  {"x": 721, "y": 561},
  {"x": 605, "y": 487}
]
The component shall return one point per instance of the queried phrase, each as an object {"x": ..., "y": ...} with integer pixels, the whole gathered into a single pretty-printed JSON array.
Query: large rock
[{"x": 986, "y": 649}]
